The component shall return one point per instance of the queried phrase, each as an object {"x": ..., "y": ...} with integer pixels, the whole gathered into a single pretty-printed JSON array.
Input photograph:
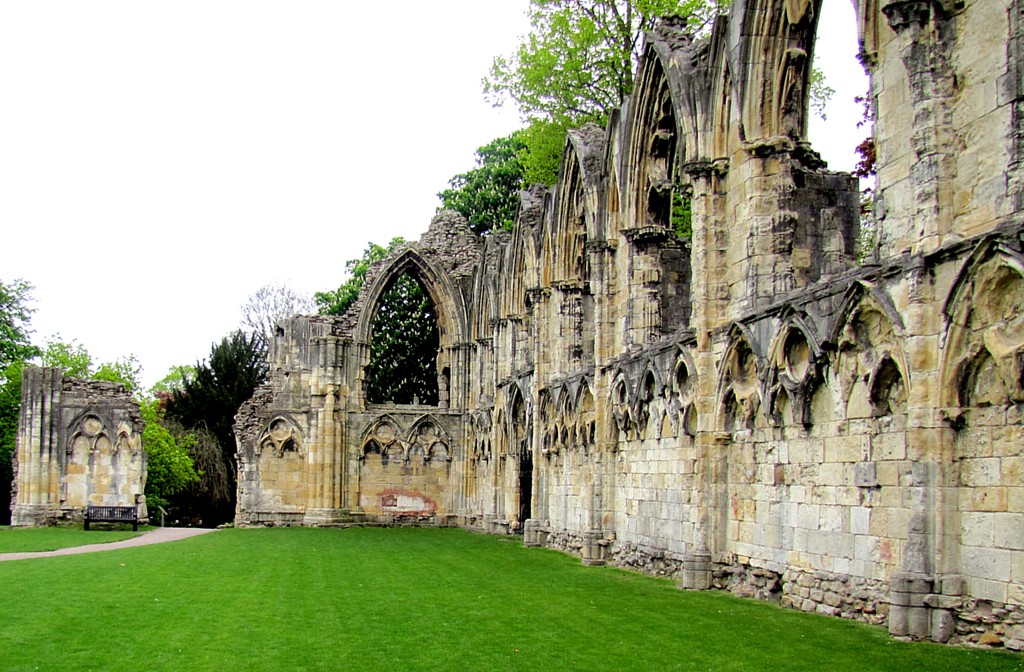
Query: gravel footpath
[{"x": 157, "y": 536}]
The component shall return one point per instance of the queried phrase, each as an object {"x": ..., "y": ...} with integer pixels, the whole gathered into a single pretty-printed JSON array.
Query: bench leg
[{"x": 86, "y": 524}]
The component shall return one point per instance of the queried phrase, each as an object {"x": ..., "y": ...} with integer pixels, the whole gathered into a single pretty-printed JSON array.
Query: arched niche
[
  {"x": 280, "y": 437},
  {"x": 653, "y": 147},
  {"x": 739, "y": 384},
  {"x": 576, "y": 197},
  {"x": 795, "y": 361},
  {"x": 868, "y": 333},
  {"x": 770, "y": 59},
  {"x": 983, "y": 355}
]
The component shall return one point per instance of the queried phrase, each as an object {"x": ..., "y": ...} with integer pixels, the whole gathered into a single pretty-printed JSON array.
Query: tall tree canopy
[
  {"x": 15, "y": 314},
  {"x": 169, "y": 467},
  {"x": 576, "y": 65},
  {"x": 488, "y": 195},
  {"x": 270, "y": 304},
  {"x": 209, "y": 400},
  {"x": 10, "y": 408},
  {"x": 577, "y": 62}
]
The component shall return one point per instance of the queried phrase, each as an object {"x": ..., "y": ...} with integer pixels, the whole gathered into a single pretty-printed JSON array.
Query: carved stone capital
[
  {"x": 646, "y": 234},
  {"x": 706, "y": 168},
  {"x": 903, "y": 14}
]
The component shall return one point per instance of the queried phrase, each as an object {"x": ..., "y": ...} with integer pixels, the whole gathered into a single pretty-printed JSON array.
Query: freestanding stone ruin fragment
[{"x": 79, "y": 443}]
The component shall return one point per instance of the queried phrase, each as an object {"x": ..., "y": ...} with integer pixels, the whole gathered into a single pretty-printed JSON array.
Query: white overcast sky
[{"x": 161, "y": 161}]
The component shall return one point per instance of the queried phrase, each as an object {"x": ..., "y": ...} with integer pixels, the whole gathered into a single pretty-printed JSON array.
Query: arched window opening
[
  {"x": 404, "y": 345},
  {"x": 837, "y": 121},
  {"x": 841, "y": 120}
]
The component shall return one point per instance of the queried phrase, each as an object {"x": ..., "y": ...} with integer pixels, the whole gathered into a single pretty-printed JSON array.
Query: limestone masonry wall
[{"x": 757, "y": 403}]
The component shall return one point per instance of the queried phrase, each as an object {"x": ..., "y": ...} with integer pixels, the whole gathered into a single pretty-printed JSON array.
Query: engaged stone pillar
[
  {"x": 908, "y": 613},
  {"x": 492, "y": 524},
  {"x": 535, "y": 533},
  {"x": 943, "y": 622},
  {"x": 594, "y": 547},
  {"x": 697, "y": 570}
]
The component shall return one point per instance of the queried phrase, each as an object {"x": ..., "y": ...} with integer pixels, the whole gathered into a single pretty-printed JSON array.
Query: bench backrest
[{"x": 111, "y": 512}]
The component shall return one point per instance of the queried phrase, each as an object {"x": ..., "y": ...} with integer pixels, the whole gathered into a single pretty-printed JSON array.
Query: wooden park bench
[{"x": 112, "y": 514}]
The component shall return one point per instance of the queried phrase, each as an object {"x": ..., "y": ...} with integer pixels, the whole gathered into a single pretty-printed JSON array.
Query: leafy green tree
[
  {"x": 209, "y": 400},
  {"x": 403, "y": 350},
  {"x": 70, "y": 357},
  {"x": 577, "y": 62},
  {"x": 543, "y": 142},
  {"x": 10, "y": 408},
  {"x": 488, "y": 195},
  {"x": 15, "y": 315},
  {"x": 209, "y": 501},
  {"x": 126, "y": 371},
  {"x": 169, "y": 467},
  {"x": 338, "y": 301},
  {"x": 74, "y": 361},
  {"x": 15, "y": 349},
  {"x": 821, "y": 93},
  {"x": 174, "y": 380},
  {"x": 576, "y": 65}
]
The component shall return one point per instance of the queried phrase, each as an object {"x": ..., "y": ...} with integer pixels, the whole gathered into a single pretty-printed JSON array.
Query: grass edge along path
[
  {"x": 37, "y": 539},
  {"x": 410, "y": 599}
]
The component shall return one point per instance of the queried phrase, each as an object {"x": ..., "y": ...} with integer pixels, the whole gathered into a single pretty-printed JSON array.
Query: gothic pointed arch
[
  {"x": 127, "y": 440},
  {"x": 697, "y": 72},
  {"x": 795, "y": 360},
  {"x": 414, "y": 297},
  {"x": 854, "y": 299},
  {"x": 585, "y": 407},
  {"x": 451, "y": 309},
  {"x": 519, "y": 265},
  {"x": 739, "y": 383},
  {"x": 609, "y": 221},
  {"x": 772, "y": 45},
  {"x": 486, "y": 286},
  {"x": 621, "y": 401},
  {"x": 684, "y": 394},
  {"x": 429, "y": 438},
  {"x": 654, "y": 147},
  {"x": 868, "y": 339},
  {"x": 983, "y": 340},
  {"x": 90, "y": 431},
  {"x": 648, "y": 392}
]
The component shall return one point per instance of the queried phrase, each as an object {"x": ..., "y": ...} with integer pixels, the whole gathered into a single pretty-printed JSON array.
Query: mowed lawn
[
  {"x": 408, "y": 599},
  {"x": 30, "y": 539}
]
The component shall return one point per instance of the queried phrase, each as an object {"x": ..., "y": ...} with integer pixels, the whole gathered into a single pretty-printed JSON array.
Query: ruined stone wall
[
  {"x": 753, "y": 404},
  {"x": 79, "y": 443}
]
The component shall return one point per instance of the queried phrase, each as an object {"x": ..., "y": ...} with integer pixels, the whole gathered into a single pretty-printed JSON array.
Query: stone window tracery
[{"x": 280, "y": 436}]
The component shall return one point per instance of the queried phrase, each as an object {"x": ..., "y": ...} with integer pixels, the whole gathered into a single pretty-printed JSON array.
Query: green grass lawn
[
  {"x": 27, "y": 539},
  {"x": 408, "y": 599}
]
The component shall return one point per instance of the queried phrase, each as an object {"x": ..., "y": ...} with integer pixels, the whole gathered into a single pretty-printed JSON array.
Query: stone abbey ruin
[{"x": 763, "y": 406}]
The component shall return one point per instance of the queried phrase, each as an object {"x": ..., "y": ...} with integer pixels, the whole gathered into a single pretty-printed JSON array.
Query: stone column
[
  {"x": 38, "y": 451},
  {"x": 926, "y": 37}
]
